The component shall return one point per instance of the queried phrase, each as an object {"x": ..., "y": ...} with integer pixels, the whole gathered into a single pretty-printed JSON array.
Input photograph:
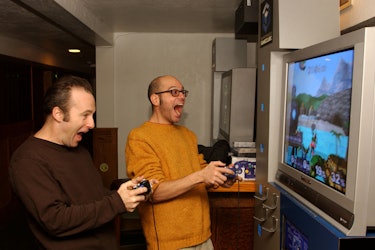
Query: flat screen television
[{"x": 327, "y": 130}]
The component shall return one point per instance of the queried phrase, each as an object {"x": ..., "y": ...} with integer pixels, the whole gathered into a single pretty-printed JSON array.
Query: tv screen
[
  {"x": 318, "y": 109},
  {"x": 225, "y": 105}
]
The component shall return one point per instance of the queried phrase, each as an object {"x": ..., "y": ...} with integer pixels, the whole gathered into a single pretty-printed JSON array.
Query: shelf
[{"x": 243, "y": 186}]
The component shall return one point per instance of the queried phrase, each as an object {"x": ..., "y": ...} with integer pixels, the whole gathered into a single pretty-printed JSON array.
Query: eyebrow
[
  {"x": 88, "y": 111},
  {"x": 175, "y": 87}
]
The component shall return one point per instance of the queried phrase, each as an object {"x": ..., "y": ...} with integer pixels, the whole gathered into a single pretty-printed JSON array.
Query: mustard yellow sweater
[{"x": 169, "y": 152}]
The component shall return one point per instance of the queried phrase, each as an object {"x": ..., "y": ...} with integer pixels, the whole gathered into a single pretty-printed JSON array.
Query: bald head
[{"x": 157, "y": 84}]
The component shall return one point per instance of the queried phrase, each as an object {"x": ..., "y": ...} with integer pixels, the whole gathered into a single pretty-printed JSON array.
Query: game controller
[
  {"x": 146, "y": 184},
  {"x": 236, "y": 171}
]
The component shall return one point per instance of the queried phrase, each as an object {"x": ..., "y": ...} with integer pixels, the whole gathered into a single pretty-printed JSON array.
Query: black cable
[
  {"x": 153, "y": 215},
  {"x": 238, "y": 213}
]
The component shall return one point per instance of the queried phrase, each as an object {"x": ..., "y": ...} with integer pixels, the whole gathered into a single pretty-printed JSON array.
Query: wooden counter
[
  {"x": 232, "y": 211},
  {"x": 243, "y": 186}
]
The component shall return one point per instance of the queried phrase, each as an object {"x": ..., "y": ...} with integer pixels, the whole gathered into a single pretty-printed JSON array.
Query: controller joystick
[
  {"x": 146, "y": 184},
  {"x": 236, "y": 171}
]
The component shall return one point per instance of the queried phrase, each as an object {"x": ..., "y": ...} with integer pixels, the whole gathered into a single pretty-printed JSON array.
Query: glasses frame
[{"x": 175, "y": 92}]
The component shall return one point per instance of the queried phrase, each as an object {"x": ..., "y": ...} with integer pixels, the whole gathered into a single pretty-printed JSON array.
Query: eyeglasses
[{"x": 175, "y": 92}]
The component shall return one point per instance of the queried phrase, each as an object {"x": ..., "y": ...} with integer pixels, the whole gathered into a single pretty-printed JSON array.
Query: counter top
[{"x": 243, "y": 186}]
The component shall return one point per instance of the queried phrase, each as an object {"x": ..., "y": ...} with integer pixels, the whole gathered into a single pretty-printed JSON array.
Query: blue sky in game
[{"x": 308, "y": 75}]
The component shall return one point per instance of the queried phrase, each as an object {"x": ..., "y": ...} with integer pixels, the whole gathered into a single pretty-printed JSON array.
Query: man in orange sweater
[{"x": 177, "y": 215}]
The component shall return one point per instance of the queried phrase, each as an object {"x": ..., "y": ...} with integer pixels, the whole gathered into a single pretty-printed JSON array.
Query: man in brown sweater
[
  {"x": 54, "y": 177},
  {"x": 177, "y": 216}
]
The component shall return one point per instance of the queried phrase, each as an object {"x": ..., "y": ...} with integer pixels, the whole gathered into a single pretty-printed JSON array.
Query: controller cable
[
  {"x": 238, "y": 213},
  {"x": 153, "y": 215}
]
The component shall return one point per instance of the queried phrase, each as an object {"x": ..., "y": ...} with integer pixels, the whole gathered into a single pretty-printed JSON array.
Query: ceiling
[
  {"x": 198, "y": 16},
  {"x": 56, "y": 25}
]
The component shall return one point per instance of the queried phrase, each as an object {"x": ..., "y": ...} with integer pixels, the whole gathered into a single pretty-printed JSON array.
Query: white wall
[
  {"x": 105, "y": 87},
  {"x": 137, "y": 58},
  {"x": 359, "y": 11}
]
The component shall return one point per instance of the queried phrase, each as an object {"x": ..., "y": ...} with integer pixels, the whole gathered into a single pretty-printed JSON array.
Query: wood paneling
[
  {"x": 11, "y": 136},
  {"x": 232, "y": 220},
  {"x": 14, "y": 232},
  {"x": 105, "y": 153}
]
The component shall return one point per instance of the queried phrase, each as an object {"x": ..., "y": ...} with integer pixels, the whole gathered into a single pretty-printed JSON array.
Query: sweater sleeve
[
  {"x": 141, "y": 159},
  {"x": 202, "y": 161},
  {"x": 161, "y": 155}
]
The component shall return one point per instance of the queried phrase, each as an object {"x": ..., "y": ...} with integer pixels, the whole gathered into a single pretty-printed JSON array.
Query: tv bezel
[
  {"x": 319, "y": 66},
  {"x": 226, "y": 80},
  {"x": 347, "y": 211}
]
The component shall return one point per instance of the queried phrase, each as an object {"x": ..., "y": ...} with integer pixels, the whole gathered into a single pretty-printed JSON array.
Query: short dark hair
[
  {"x": 154, "y": 86},
  {"x": 58, "y": 94}
]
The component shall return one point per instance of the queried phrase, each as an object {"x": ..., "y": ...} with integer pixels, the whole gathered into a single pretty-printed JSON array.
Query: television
[
  {"x": 237, "y": 105},
  {"x": 327, "y": 130}
]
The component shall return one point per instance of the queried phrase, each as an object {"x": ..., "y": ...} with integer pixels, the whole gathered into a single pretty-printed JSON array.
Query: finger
[
  {"x": 220, "y": 164},
  {"x": 154, "y": 181},
  {"x": 138, "y": 179},
  {"x": 138, "y": 191}
]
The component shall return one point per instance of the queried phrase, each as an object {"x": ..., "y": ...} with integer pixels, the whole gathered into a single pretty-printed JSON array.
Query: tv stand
[{"x": 314, "y": 231}]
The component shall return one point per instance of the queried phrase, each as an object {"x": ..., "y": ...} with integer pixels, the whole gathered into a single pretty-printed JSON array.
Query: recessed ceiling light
[{"x": 74, "y": 50}]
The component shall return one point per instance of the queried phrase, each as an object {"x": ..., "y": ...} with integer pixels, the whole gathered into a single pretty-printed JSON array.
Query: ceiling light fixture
[{"x": 74, "y": 51}]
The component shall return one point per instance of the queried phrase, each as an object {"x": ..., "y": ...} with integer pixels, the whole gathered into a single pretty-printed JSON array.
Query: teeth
[{"x": 178, "y": 108}]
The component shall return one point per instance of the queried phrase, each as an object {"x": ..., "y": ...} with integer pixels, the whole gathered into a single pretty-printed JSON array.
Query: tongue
[
  {"x": 79, "y": 136},
  {"x": 178, "y": 109}
]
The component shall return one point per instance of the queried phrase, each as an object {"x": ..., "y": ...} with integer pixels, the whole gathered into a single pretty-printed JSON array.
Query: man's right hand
[{"x": 132, "y": 197}]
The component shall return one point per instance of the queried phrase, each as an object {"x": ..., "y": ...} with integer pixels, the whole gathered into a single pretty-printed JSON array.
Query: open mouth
[
  {"x": 79, "y": 136},
  {"x": 178, "y": 108}
]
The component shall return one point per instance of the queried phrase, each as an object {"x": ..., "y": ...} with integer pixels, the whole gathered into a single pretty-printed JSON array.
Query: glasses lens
[{"x": 175, "y": 92}]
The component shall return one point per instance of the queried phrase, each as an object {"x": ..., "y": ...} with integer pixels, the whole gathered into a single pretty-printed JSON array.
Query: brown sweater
[
  {"x": 169, "y": 152},
  {"x": 64, "y": 196}
]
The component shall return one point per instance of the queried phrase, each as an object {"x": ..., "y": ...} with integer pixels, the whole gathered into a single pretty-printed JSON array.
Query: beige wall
[
  {"x": 359, "y": 11},
  {"x": 137, "y": 58}
]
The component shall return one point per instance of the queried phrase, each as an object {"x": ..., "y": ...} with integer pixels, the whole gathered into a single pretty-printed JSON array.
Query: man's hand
[
  {"x": 214, "y": 175},
  {"x": 132, "y": 197}
]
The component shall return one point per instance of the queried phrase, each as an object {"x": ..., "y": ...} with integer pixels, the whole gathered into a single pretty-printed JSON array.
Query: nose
[{"x": 90, "y": 122}]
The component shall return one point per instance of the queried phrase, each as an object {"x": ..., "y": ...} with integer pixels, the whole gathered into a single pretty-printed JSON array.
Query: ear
[
  {"x": 57, "y": 114},
  {"x": 155, "y": 99}
]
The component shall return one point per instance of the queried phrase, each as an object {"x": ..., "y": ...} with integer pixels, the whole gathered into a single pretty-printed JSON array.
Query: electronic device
[
  {"x": 237, "y": 171},
  {"x": 326, "y": 159},
  {"x": 237, "y": 105},
  {"x": 146, "y": 184},
  {"x": 246, "y": 167}
]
